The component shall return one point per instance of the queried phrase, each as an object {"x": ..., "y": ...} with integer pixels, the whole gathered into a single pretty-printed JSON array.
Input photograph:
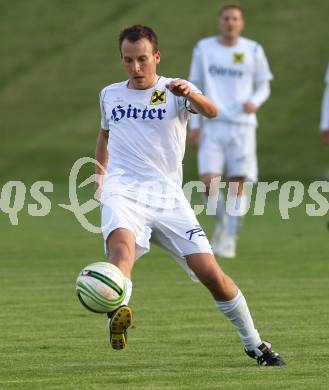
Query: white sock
[
  {"x": 233, "y": 225},
  {"x": 236, "y": 208},
  {"x": 237, "y": 205},
  {"x": 129, "y": 291},
  {"x": 238, "y": 313},
  {"x": 220, "y": 211},
  {"x": 215, "y": 206},
  {"x": 210, "y": 202}
]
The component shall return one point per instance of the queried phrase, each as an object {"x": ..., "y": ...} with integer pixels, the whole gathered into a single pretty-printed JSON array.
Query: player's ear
[{"x": 157, "y": 57}]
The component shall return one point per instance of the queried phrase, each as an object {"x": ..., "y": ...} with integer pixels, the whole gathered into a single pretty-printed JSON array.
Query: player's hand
[
  {"x": 249, "y": 107},
  {"x": 179, "y": 88},
  {"x": 193, "y": 137},
  {"x": 325, "y": 137}
]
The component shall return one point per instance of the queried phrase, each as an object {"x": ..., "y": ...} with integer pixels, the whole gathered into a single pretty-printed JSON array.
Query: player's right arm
[
  {"x": 325, "y": 112},
  {"x": 102, "y": 158},
  {"x": 195, "y": 77},
  {"x": 101, "y": 145},
  {"x": 194, "y": 132}
]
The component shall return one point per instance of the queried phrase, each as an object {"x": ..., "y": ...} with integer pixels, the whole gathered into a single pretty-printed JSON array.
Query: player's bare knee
[
  {"x": 220, "y": 285},
  {"x": 211, "y": 180},
  {"x": 236, "y": 185},
  {"x": 120, "y": 245},
  {"x": 120, "y": 251},
  {"x": 212, "y": 279},
  {"x": 206, "y": 182}
]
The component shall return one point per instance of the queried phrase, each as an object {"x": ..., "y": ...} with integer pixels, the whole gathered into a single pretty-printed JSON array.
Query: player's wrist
[
  {"x": 99, "y": 179},
  {"x": 190, "y": 95}
]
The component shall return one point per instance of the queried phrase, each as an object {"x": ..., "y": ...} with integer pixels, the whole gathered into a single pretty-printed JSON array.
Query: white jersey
[
  {"x": 147, "y": 132},
  {"x": 227, "y": 75},
  {"x": 324, "y": 125}
]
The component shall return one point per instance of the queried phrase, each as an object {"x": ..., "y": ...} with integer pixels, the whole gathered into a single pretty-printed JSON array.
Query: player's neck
[
  {"x": 228, "y": 41},
  {"x": 150, "y": 84}
]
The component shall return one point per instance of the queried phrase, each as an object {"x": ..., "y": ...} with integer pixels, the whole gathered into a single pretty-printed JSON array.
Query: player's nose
[{"x": 135, "y": 67}]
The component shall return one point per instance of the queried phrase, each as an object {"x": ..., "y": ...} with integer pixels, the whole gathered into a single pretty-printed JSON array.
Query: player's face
[
  {"x": 140, "y": 61},
  {"x": 231, "y": 23}
]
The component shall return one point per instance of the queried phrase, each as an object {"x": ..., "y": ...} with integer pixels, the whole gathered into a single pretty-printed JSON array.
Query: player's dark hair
[
  {"x": 137, "y": 32},
  {"x": 226, "y": 6}
]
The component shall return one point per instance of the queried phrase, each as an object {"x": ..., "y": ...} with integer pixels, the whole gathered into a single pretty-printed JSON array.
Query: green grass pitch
[{"x": 179, "y": 340}]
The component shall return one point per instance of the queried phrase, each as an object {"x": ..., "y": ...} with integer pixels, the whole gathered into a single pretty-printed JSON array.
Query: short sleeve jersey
[
  {"x": 227, "y": 75},
  {"x": 147, "y": 132}
]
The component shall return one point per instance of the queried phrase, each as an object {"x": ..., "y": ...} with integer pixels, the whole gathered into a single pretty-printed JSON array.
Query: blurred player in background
[
  {"x": 324, "y": 126},
  {"x": 233, "y": 71},
  {"x": 141, "y": 142}
]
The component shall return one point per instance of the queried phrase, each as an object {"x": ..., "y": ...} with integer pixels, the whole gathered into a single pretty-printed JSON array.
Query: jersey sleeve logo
[
  {"x": 158, "y": 97},
  {"x": 238, "y": 58}
]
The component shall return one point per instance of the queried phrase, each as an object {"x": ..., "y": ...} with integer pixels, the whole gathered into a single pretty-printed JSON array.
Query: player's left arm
[
  {"x": 102, "y": 157},
  {"x": 199, "y": 103},
  {"x": 324, "y": 125},
  {"x": 262, "y": 76},
  {"x": 261, "y": 93}
]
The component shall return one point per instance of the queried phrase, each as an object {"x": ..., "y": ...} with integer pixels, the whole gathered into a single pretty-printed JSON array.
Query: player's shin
[
  {"x": 220, "y": 210},
  {"x": 237, "y": 312},
  {"x": 215, "y": 206}
]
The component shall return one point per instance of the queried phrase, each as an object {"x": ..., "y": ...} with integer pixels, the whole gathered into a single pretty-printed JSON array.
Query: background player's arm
[
  {"x": 102, "y": 157},
  {"x": 196, "y": 77},
  {"x": 262, "y": 76},
  {"x": 199, "y": 103},
  {"x": 325, "y": 117},
  {"x": 260, "y": 95}
]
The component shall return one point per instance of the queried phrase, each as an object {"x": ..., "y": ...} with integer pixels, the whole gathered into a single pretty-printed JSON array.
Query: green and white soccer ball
[{"x": 101, "y": 287}]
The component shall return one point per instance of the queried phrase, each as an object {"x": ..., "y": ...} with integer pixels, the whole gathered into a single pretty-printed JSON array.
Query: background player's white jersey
[
  {"x": 326, "y": 79},
  {"x": 227, "y": 75},
  {"x": 147, "y": 138},
  {"x": 325, "y": 104}
]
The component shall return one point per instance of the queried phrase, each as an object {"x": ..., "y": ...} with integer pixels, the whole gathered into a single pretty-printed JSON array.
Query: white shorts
[
  {"x": 174, "y": 228},
  {"x": 228, "y": 148}
]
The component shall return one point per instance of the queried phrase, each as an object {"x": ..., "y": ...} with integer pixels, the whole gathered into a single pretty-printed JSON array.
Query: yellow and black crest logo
[
  {"x": 238, "y": 58},
  {"x": 158, "y": 97}
]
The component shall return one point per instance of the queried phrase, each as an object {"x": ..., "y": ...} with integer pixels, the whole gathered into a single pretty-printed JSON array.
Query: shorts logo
[
  {"x": 197, "y": 230},
  {"x": 238, "y": 58},
  {"x": 158, "y": 97}
]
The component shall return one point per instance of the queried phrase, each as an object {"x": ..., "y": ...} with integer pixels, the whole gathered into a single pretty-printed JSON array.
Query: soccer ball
[{"x": 101, "y": 287}]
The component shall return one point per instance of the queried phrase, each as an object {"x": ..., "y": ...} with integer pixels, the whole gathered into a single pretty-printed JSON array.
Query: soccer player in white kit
[
  {"x": 141, "y": 143},
  {"x": 234, "y": 73},
  {"x": 324, "y": 125}
]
